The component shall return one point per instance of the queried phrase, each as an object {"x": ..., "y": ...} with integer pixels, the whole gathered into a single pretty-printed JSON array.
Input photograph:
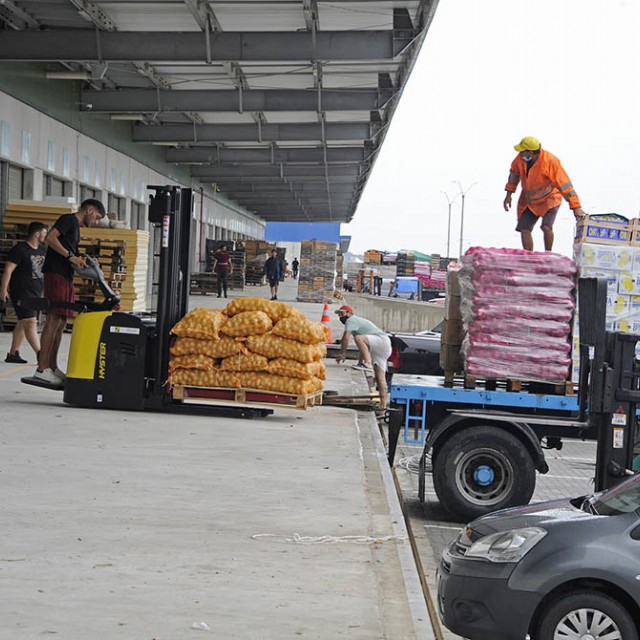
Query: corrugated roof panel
[
  {"x": 271, "y": 17},
  {"x": 227, "y": 118},
  {"x": 355, "y": 15},
  {"x": 347, "y": 116},
  {"x": 159, "y": 17},
  {"x": 276, "y": 117}
]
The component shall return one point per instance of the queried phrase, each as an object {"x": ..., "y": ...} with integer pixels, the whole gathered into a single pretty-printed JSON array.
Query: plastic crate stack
[
  {"x": 517, "y": 308},
  {"x": 316, "y": 282},
  {"x": 405, "y": 264}
]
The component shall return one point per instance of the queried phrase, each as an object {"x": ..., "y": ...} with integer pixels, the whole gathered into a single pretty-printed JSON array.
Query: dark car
[
  {"x": 560, "y": 570},
  {"x": 417, "y": 353}
]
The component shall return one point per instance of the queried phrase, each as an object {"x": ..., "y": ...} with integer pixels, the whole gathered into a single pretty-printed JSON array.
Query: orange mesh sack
[
  {"x": 248, "y": 323},
  {"x": 198, "y": 378},
  {"x": 300, "y": 329},
  {"x": 214, "y": 348},
  {"x": 281, "y": 384},
  {"x": 244, "y": 362},
  {"x": 248, "y": 303},
  {"x": 191, "y": 361},
  {"x": 295, "y": 369},
  {"x": 276, "y": 347},
  {"x": 200, "y": 323},
  {"x": 275, "y": 310}
]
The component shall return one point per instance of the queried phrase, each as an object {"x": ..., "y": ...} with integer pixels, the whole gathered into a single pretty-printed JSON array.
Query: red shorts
[{"x": 58, "y": 289}]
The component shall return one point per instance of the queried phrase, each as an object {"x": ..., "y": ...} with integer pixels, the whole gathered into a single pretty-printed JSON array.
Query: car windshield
[{"x": 623, "y": 498}]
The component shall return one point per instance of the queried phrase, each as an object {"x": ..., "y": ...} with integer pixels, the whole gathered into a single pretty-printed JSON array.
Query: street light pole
[
  {"x": 463, "y": 193},
  {"x": 449, "y": 202}
]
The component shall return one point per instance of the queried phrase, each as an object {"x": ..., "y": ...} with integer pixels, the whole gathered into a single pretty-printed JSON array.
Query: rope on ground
[
  {"x": 410, "y": 464},
  {"x": 298, "y": 539}
]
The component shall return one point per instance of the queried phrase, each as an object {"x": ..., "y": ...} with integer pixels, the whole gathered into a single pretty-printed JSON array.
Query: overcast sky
[{"x": 488, "y": 74}]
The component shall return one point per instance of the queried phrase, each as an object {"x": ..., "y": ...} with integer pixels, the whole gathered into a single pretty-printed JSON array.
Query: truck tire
[{"x": 482, "y": 469}]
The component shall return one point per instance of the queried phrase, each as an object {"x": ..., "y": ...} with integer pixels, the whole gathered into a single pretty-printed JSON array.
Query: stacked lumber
[{"x": 123, "y": 255}]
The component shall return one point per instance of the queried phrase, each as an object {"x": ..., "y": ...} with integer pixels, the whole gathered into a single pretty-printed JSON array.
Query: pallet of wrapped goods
[{"x": 517, "y": 308}]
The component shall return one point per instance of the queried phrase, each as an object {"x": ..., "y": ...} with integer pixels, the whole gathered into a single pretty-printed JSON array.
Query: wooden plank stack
[
  {"x": 123, "y": 255},
  {"x": 316, "y": 281}
]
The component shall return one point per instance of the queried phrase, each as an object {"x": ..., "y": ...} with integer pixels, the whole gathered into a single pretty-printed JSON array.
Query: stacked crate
[
  {"x": 316, "y": 281},
  {"x": 238, "y": 260},
  {"x": 257, "y": 252},
  {"x": 606, "y": 246},
  {"x": 372, "y": 256},
  {"x": 405, "y": 264}
]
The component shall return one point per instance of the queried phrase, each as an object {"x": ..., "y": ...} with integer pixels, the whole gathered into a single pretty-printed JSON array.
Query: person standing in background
[
  {"x": 62, "y": 252},
  {"x": 274, "y": 270},
  {"x": 222, "y": 267},
  {"x": 22, "y": 278},
  {"x": 295, "y": 265},
  {"x": 544, "y": 184}
]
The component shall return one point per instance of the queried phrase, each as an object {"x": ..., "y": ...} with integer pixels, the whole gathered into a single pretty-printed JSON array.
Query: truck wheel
[
  {"x": 482, "y": 469},
  {"x": 586, "y": 614}
]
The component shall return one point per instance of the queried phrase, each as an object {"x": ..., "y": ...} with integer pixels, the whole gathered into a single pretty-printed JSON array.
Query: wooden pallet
[
  {"x": 455, "y": 379},
  {"x": 246, "y": 397}
]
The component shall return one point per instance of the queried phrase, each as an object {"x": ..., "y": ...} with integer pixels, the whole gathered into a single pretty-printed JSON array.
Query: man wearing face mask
[
  {"x": 544, "y": 184},
  {"x": 373, "y": 344}
]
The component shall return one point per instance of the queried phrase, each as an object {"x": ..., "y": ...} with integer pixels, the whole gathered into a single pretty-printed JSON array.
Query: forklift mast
[
  {"x": 609, "y": 385},
  {"x": 170, "y": 208}
]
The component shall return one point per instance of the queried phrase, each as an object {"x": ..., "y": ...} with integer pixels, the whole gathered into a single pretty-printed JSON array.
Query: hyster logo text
[{"x": 102, "y": 361}]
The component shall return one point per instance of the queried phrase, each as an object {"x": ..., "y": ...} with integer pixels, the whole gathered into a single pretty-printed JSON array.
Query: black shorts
[
  {"x": 528, "y": 219},
  {"x": 21, "y": 312}
]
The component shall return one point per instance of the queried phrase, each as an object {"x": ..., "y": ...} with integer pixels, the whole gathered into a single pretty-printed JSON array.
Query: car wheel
[
  {"x": 481, "y": 469},
  {"x": 586, "y": 614}
]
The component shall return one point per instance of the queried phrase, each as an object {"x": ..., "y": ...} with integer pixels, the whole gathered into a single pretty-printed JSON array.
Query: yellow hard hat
[{"x": 528, "y": 144}]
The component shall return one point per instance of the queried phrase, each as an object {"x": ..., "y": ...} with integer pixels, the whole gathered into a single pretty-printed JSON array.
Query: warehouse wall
[{"x": 44, "y": 146}]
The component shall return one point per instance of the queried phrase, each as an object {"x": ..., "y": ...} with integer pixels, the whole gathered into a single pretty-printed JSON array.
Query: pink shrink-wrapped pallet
[{"x": 517, "y": 307}]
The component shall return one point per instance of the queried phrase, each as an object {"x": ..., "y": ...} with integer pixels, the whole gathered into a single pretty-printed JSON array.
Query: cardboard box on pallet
[{"x": 606, "y": 228}]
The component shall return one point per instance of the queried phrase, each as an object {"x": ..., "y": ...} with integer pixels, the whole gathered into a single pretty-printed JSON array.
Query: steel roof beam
[
  {"x": 214, "y": 155},
  {"x": 83, "y": 45},
  {"x": 251, "y": 132},
  {"x": 289, "y": 187},
  {"x": 267, "y": 171},
  {"x": 232, "y": 100}
]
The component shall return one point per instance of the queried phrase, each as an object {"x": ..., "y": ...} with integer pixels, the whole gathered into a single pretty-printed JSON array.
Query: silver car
[{"x": 562, "y": 570}]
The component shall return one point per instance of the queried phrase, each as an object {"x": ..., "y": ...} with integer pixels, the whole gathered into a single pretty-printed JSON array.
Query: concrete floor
[{"x": 148, "y": 525}]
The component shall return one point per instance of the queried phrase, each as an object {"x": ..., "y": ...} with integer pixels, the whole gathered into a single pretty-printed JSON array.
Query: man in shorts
[
  {"x": 62, "y": 252},
  {"x": 545, "y": 184},
  {"x": 22, "y": 278},
  {"x": 373, "y": 344}
]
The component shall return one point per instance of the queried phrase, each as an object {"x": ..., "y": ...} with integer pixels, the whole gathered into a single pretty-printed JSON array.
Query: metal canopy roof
[{"x": 281, "y": 105}]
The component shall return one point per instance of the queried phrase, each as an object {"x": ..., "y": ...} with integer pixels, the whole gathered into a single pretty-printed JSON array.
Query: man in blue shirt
[
  {"x": 373, "y": 344},
  {"x": 274, "y": 270}
]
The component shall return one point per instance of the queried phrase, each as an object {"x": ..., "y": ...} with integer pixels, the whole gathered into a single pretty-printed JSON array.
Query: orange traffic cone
[{"x": 326, "y": 322}]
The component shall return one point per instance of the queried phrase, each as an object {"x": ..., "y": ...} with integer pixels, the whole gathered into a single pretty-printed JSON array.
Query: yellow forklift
[{"x": 119, "y": 360}]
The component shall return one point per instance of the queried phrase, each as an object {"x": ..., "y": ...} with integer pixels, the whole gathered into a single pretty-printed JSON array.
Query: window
[
  {"x": 87, "y": 192},
  {"x": 56, "y": 187},
  {"x": 138, "y": 215},
  {"x": 117, "y": 205}
]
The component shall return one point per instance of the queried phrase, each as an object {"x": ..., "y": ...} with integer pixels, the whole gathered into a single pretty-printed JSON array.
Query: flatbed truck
[{"x": 485, "y": 445}]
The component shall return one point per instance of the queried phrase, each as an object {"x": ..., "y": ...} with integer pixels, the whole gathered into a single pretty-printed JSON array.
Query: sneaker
[
  {"x": 48, "y": 376},
  {"x": 15, "y": 358},
  {"x": 61, "y": 375},
  {"x": 361, "y": 367}
]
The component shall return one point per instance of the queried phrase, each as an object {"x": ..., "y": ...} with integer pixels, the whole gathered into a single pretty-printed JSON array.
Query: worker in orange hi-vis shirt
[{"x": 544, "y": 184}]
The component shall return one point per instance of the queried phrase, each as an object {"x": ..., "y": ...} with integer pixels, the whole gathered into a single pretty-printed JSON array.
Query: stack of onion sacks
[{"x": 252, "y": 344}]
